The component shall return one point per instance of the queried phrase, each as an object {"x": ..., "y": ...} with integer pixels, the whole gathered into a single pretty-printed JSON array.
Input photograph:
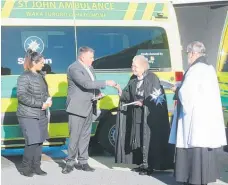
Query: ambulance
[{"x": 116, "y": 30}]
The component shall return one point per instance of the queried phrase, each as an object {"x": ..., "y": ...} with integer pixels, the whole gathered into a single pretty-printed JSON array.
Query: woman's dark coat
[
  {"x": 154, "y": 149},
  {"x": 32, "y": 92}
]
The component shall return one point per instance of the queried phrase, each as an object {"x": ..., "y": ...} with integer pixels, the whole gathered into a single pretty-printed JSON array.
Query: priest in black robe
[{"x": 142, "y": 129}]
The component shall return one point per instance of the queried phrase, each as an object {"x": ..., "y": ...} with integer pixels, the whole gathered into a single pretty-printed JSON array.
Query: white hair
[
  {"x": 142, "y": 60},
  {"x": 196, "y": 47}
]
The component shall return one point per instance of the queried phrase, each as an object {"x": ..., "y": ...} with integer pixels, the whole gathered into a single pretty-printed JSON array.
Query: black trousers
[{"x": 32, "y": 155}]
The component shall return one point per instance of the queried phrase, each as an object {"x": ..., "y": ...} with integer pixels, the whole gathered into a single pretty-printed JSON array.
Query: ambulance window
[
  {"x": 57, "y": 44},
  {"x": 115, "y": 47}
]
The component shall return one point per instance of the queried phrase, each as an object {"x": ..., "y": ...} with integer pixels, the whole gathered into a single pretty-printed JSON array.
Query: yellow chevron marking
[
  {"x": 148, "y": 11},
  {"x": 57, "y": 85},
  {"x": 132, "y": 7},
  {"x": 58, "y": 130},
  {"x": 7, "y": 8},
  {"x": 108, "y": 102},
  {"x": 9, "y": 104},
  {"x": 165, "y": 10}
]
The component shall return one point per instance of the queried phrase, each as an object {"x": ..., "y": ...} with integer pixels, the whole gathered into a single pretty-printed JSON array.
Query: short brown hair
[
  {"x": 85, "y": 49},
  {"x": 30, "y": 57}
]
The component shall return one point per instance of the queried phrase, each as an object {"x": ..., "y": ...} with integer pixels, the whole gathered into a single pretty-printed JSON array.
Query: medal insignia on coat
[{"x": 157, "y": 96}]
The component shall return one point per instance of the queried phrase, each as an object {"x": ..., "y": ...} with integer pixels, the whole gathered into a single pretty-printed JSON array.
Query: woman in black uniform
[
  {"x": 142, "y": 129},
  {"x": 32, "y": 112}
]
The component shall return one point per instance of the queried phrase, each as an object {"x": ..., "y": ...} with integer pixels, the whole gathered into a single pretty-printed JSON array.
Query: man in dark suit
[{"x": 82, "y": 88}]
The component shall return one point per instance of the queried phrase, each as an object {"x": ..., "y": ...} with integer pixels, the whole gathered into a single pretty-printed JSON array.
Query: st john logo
[{"x": 34, "y": 43}]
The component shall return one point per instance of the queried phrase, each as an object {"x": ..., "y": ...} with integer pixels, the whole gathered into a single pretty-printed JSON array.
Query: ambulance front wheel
[{"x": 106, "y": 135}]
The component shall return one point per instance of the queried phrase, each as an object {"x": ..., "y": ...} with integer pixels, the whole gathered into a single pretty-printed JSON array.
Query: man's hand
[
  {"x": 110, "y": 83},
  {"x": 139, "y": 103},
  {"x": 117, "y": 86}
]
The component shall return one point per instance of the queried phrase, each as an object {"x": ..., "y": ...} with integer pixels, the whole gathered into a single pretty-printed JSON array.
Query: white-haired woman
[
  {"x": 198, "y": 125},
  {"x": 142, "y": 129}
]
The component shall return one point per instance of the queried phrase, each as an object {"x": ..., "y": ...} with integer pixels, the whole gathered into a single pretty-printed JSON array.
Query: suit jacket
[{"x": 81, "y": 89}]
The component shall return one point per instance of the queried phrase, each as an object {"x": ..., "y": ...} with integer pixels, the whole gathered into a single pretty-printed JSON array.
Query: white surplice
[{"x": 201, "y": 122}]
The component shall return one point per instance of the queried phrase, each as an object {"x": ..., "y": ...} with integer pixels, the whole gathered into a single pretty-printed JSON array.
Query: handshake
[{"x": 112, "y": 83}]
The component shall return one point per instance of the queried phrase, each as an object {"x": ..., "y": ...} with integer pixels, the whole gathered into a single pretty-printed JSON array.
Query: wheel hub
[{"x": 111, "y": 135}]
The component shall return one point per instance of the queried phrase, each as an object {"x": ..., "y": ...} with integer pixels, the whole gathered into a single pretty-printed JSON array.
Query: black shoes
[
  {"x": 140, "y": 168},
  {"x": 39, "y": 171},
  {"x": 67, "y": 169},
  {"x": 26, "y": 172},
  {"x": 26, "y": 169},
  {"x": 147, "y": 171},
  {"x": 84, "y": 167},
  {"x": 143, "y": 169}
]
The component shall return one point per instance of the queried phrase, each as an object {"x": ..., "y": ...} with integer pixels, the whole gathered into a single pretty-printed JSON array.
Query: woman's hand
[
  {"x": 174, "y": 88},
  {"x": 139, "y": 103},
  {"x": 50, "y": 103},
  {"x": 47, "y": 105}
]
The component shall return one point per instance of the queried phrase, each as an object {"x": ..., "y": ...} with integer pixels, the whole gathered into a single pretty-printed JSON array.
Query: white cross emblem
[{"x": 157, "y": 96}]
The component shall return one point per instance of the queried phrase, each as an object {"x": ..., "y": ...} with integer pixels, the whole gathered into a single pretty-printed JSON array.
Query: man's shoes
[
  {"x": 84, "y": 167},
  {"x": 67, "y": 169}
]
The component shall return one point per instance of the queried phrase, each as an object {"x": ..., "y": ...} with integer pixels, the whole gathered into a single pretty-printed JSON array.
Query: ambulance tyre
[{"x": 106, "y": 134}]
